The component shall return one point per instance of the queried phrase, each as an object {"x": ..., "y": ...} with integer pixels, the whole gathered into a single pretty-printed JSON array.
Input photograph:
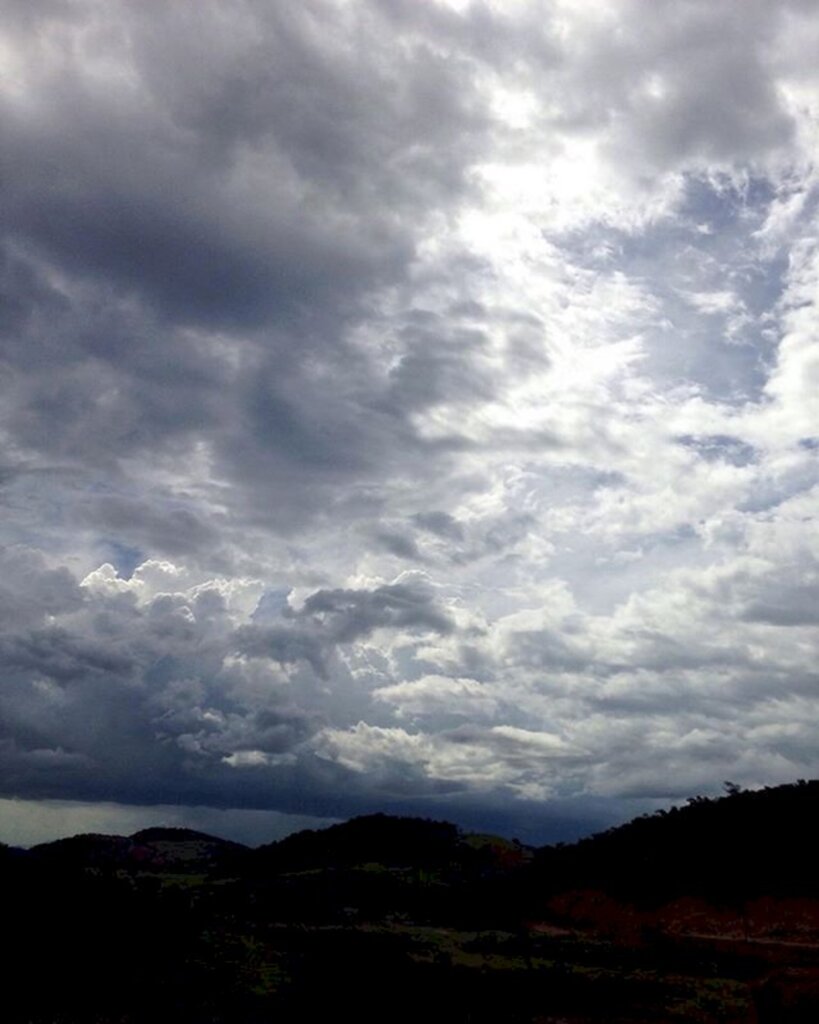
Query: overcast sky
[{"x": 407, "y": 405}]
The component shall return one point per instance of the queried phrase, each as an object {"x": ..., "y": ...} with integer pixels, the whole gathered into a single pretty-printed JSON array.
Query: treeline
[{"x": 745, "y": 844}]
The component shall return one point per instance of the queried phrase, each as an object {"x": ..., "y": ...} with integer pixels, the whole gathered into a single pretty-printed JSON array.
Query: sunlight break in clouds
[{"x": 406, "y": 406}]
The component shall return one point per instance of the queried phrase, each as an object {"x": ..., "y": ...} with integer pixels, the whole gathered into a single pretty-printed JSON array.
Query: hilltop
[{"x": 158, "y": 849}]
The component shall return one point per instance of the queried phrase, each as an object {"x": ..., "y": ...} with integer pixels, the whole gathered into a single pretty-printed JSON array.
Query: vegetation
[{"x": 706, "y": 913}]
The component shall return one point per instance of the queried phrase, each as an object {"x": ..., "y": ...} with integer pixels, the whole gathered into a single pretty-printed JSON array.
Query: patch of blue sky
[
  {"x": 124, "y": 557},
  {"x": 714, "y": 321},
  {"x": 718, "y": 201},
  {"x": 272, "y": 604},
  {"x": 720, "y": 448}
]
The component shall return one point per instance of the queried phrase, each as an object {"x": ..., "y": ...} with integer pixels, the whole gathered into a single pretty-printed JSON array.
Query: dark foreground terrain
[{"x": 708, "y": 913}]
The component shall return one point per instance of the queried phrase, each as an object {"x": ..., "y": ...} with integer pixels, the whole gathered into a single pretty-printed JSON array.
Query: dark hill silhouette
[
  {"x": 156, "y": 849},
  {"x": 168, "y": 834},
  {"x": 382, "y": 838},
  {"x": 739, "y": 846},
  {"x": 88, "y": 850},
  {"x": 411, "y": 918}
]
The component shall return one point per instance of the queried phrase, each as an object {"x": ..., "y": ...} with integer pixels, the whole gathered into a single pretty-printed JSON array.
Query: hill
[
  {"x": 740, "y": 846},
  {"x": 705, "y": 913},
  {"x": 412, "y": 844},
  {"x": 175, "y": 850}
]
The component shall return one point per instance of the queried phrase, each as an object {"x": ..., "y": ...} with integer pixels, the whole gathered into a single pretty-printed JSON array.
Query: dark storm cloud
[
  {"x": 399, "y": 544},
  {"x": 440, "y": 523},
  {"x": 350, "y": 614},
  {"x": 332, "y": 617},
  {"x": 30, "y": 590},
  {"x": 167, "y": 527},
  {"x": 239, "y": 169},
  {"x": 438, "y": 368},
  {"x": 93, "y": 378},
  {"x": 288, "y": 646},
  {"x": 142, "y": 699},
  {"x": 194, "y": 209}
]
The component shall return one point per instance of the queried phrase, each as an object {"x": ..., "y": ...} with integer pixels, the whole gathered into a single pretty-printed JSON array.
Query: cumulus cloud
[{"x": 407, "y": 405}]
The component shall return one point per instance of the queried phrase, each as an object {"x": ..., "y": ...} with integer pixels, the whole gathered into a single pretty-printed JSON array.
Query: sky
[{"x": 407, "y": 406}]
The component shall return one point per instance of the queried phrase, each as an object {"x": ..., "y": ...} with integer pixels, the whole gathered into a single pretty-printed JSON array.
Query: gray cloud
[
  {"x": 518, "y": 298},
  {"x": 349, "y": 614}
]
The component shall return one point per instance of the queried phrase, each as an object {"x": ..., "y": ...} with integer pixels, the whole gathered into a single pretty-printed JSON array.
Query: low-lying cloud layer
[{"x": 408, "y": 406}]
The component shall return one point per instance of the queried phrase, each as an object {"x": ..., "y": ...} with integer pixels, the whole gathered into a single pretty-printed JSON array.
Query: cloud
[
  {"x": 438, "y": 696},
  {"x": 407, "y": 405},
  {"x": 352, "y": 614}
]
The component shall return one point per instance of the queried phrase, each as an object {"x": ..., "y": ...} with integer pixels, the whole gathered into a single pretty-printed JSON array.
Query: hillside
[
  {"x": 745, "y": 844},
  {"x": 707, "y": 913}
]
